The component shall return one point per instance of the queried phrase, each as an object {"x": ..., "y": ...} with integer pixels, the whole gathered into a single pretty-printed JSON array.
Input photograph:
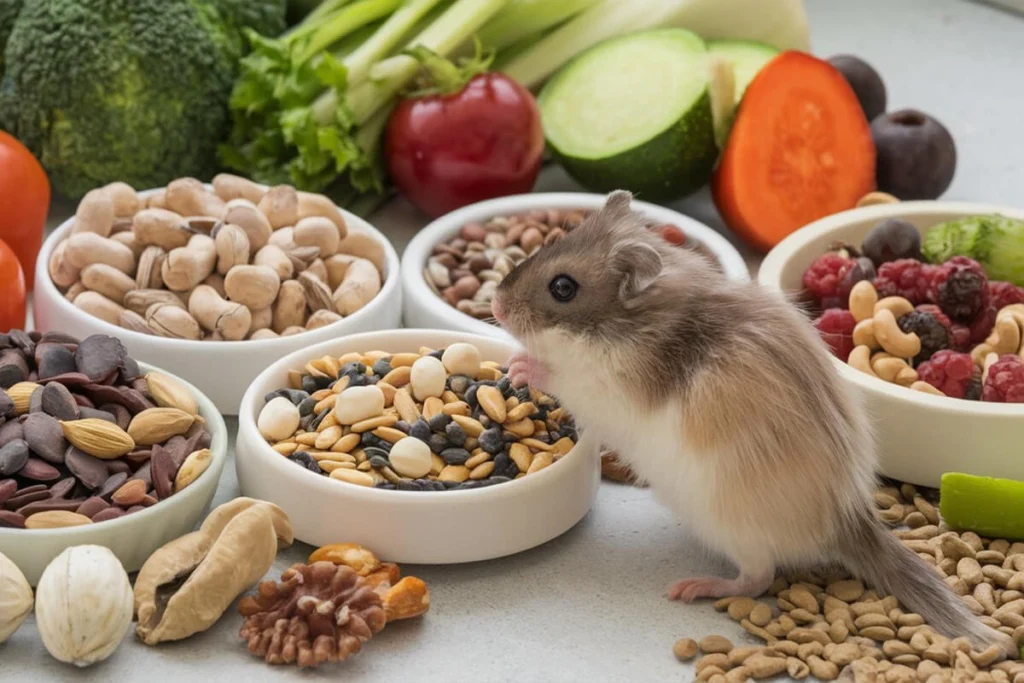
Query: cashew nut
[
  {"x": 74, "y": 290},
  {"x": 863, "y": 298},
  {"x": 263, "y": 333},
  {"x": 95, "y": 213},
  {"x": 128, "y": 240},
  {"x": 290, "y": 307},
  {"x": 161, "y": 228},
  {"x": 888, "y": 367},
  {"x": 897, "y": 304},
  {"x": 124, "y": 197},
  {"x": 188, "y": 197},
  {"x": 217, "y": 282},
  {"x": 980, "y": 352},
  {"x": 229, "y": 320},
  {"x": 100, "y": 306},
  {"x": 361, "y": 242},
  {"x": 262, "y": 318},
  {"x": 280, "y": 205},
  {"x": 317, "y": 231},
  {"x": 864, "y": 334},
  {"x": 185, "y": 267},
  {"x": 283, "y": 238},
  {"x": 906, "y": 376},
  {"x": 317, "y": 268},
  {"x": 322, "y": 318},
  {"x": 289, "y": 331},
  {"x": 873, "y": 198},
  {"x": 1005, "y": 337},
  {"x": 926, "y": 388},
  {"x": 359, "y": 285},
  {"x": 254, "y": 286},
  {"x": 311, "y": 204},
  {"x": 108, "y": 281},
  {"x": 228, "y": 187},
  {"x": 61, "y": 271},
  {"x": 860, "y": 359},
  {"x": 990, "y": 359},
  {"x": 85, "y": 248},
  {"x": 157, "y": 200},
  {"x": 274, "y": 258},
  {"x": 232, "y": 248},
  {"x": 248, "y": 217},
  {"x": 892, "y": 338}
]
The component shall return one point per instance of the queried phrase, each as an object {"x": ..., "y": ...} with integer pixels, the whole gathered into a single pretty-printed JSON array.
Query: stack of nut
[
  {"x": 465, "y": 271},
  {"x": 824, "y": 625},
  {"x": 240, "y": 262}
]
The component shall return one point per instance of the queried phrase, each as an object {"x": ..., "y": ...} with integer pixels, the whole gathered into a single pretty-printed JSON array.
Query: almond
[
  {"x": 156, "y": 425},
  {"x": 195, "y": 464},
  {"x": 98, "y": 438},
  {"x": 55, "y": 519},
  {"x": 21, "y": 395},
  {"x": 169, "y": 392},
  {"x": 130, "y": 493}
]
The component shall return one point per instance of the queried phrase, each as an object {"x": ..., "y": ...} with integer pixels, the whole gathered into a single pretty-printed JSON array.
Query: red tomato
[
  {"x": 25, "y": 198},
  {"x": 12, "y": 291},
  {"x": 483, "y": 141}
]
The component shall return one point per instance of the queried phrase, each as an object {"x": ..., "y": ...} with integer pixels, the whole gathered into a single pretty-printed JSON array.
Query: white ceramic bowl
[
  {"x": 222, "y": 370},
  {"x": 423, "y": 308},
  {"x": 919, "y": 436},
  {"x": 133, "y": 538},
  {"x": 412, "y": 526}
]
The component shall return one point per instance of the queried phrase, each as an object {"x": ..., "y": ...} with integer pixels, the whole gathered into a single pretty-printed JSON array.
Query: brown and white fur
[{"x": 722, "y": 397}]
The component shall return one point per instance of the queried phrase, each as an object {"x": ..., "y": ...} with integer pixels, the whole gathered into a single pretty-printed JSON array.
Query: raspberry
[
  {"x": 1005, "y": 380},
  {"x": 959, "y": 337},
  {"x": 905, "y": 277},
  {"x": 823, "y": 278},
  {"x": 1005, "y": 293},
  {"x": 835, "y": 326},
  {"x": 959, "y": 286},
  {"x": 933, "y": 333},
  {"x": 948, "y": 371},
  {"x": 936, "y": 313},
  {"x": 982, "y": 325}
]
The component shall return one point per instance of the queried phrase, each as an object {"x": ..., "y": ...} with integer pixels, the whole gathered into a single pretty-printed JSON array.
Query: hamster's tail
[{"x": 875, "y": 554}]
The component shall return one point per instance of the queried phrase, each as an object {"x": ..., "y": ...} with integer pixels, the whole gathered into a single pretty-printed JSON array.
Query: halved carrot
[{"x": 800, "y": 149}]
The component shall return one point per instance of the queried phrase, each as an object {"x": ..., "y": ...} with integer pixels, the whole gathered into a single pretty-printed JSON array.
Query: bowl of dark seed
[
  {"x": 96, "y": 448},
  {"x": 414, "y": 442},
  {"x": 452, "y": 268}
]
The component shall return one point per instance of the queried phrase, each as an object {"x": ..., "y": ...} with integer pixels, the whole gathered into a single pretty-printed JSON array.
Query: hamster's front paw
[{"x": 525, "y": 370}]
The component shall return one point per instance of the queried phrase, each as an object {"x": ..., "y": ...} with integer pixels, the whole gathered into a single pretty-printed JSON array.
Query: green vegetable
[
  {"x": 746, "y": 58},
  {"x": 8, "y": 13},
  {"x": 104, "y": 90},
  {"x": 985, "y": 505},
  {"x": 635, "y": 113},
  {"x": 996, "y": 242},
  {"x": 781, "y": 23}
]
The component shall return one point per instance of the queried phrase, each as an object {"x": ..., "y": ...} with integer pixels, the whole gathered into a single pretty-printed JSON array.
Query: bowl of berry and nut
[{"x": 922, "y": 305}]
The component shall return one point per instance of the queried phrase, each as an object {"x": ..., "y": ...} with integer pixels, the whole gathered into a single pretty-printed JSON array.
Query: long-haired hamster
[{"x": 723, "y": 398}]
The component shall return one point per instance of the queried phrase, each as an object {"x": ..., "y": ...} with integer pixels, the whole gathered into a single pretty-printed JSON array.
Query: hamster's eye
[{"x": 563, "y": 288}]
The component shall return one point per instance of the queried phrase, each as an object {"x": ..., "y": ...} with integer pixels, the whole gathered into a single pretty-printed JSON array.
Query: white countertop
[{"x": 589, "y": 606}]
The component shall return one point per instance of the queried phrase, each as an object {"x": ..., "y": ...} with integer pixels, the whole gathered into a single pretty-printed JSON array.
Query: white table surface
[{"x": 589, "y": 606}]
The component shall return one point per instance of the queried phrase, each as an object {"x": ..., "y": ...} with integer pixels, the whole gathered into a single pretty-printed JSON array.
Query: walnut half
[{"x": 319, "y": 612}]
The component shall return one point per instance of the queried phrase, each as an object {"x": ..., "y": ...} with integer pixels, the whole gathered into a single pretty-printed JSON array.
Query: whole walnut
[{"x": 319, "y": 612}]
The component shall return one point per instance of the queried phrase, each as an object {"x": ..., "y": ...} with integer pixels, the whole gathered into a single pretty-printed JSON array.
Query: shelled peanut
[
  {"x": 239, "y": 262},
  {"x": 828, "y": 625}
]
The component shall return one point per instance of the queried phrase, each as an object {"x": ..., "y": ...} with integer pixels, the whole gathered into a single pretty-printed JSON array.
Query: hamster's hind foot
[
  {"x": 691, "y": 590},
  {"x": 525, "y": 370}
]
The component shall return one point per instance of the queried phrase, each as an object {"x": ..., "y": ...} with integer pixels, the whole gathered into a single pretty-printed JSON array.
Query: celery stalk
[
  {"x": 384, "y": 41},
  {"x": 452, "y": 29},
  {"x": 522, "y": 18},
  {"x": 344, "y": 22}
]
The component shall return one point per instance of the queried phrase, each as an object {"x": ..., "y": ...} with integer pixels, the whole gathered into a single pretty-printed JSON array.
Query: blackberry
[
  {"x": 933, "y": 334},
  {"x": 960, "y": 288}
]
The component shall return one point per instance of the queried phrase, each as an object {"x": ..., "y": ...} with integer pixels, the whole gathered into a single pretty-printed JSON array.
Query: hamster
[{"x": 722, "y": 397}]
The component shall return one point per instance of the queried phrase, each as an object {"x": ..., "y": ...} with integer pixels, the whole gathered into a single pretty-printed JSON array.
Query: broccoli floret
[
  {"x": 8, "y": 13},
  {"x": 266, "y": 17},
  {"x": 104, "y": 90}
]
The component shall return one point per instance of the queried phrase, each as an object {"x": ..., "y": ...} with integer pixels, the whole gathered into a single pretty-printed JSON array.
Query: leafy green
[{"x": 994, "y": 241}]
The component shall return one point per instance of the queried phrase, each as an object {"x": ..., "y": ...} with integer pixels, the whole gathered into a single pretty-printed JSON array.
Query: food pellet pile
[
  {"x": 85, "y": 436},
  {"x": 825, "y": 625},
  {"x": 465, "y": 271},
  {"x": 429, "y": 421}
]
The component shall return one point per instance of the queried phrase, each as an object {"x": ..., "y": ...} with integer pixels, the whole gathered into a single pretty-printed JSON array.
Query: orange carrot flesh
[{"x": 800, "y": 149}]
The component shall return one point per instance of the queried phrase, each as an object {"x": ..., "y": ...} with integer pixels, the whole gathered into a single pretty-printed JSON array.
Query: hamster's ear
[
  {"x": 618, "y": 201},
  {"x": 640, "y": 265}
]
